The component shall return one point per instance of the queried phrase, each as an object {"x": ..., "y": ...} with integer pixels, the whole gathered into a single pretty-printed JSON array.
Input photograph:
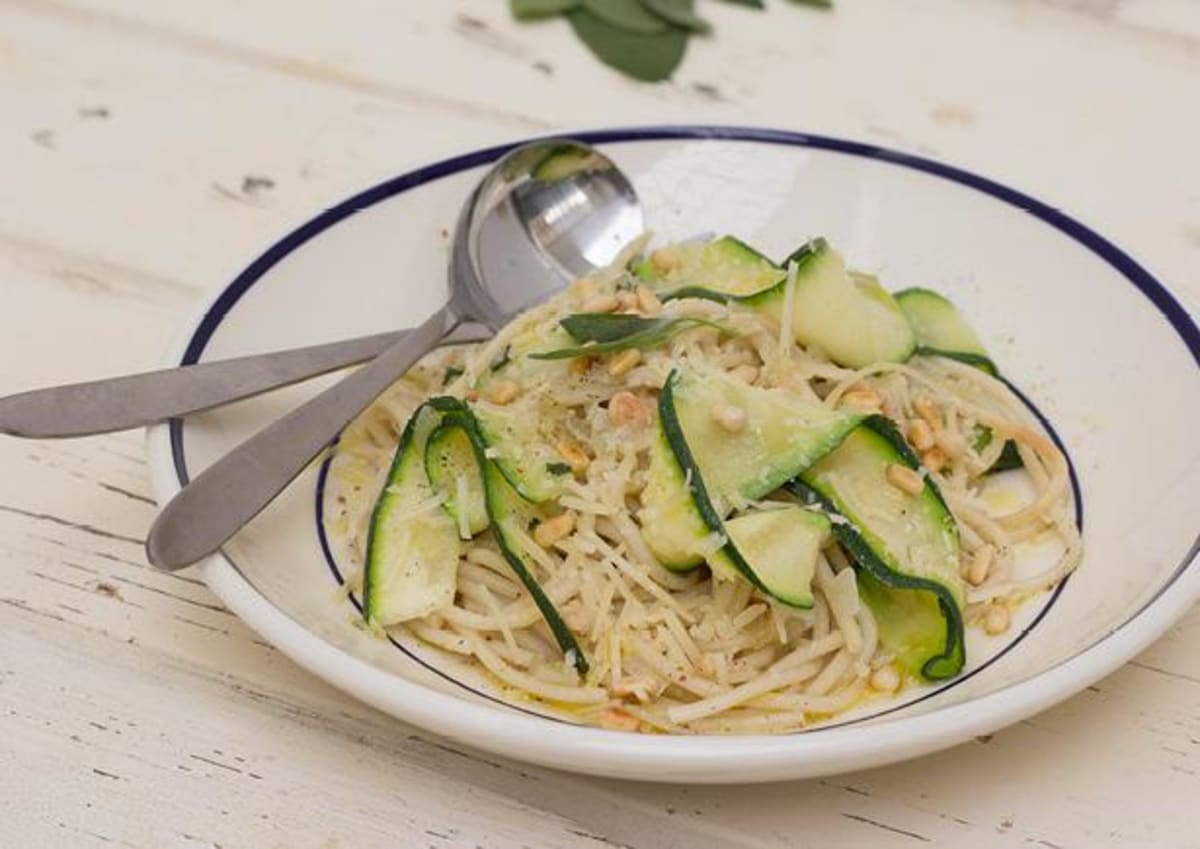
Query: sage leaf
[
  {"x": 681, "y": 13},
  {"x": 607, "y": 334},
  {"x": 650, "y": 58},
  {"x": 628, "y": 15},
  {"x": 606, "y": 327},
  {"x": 529, "y": 10},
  {"x": 753, "y": 4}
]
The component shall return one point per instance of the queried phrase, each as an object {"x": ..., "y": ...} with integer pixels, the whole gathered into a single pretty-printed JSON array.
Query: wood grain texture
[{"x": 150, "y": 149}]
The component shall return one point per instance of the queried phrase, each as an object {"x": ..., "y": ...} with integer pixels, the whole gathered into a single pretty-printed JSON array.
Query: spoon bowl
[{"x": 570, "y": 207}]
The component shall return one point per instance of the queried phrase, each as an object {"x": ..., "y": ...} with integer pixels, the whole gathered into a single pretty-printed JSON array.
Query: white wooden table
[{"x": 149, "y": 149}]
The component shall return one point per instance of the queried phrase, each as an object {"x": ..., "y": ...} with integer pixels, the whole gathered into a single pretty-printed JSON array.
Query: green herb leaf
[
  {"x": 606, "y": 334},
  {"x": 983, "y": 438},
  {"x": 606, "y": 327},
  {"x": 628, "y": 15},
  {"x": 650, "y": 58},
  {"x": 678, "y": 12},
  {"x": 529, "y": 10},
  {"x": 821, "y": 4},
  {"x": 558, "y": 468},
  {"x": 753, "y": 4}
]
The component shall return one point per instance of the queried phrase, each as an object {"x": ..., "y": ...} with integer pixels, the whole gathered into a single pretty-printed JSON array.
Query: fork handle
[
  {"x": 123, "y": 403},
  {"x": 231, "y": 492}
]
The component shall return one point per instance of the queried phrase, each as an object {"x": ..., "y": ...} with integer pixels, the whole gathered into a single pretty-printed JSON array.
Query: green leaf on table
[
  {"x": 821, "y": 4},
  {"x": 753, "y": 4},
  {"x": 649, "y": 58},
  {"x": 528, "y": 10},
  {"x": 628, "y": 15},
  {"x": 681, "y": 13}
]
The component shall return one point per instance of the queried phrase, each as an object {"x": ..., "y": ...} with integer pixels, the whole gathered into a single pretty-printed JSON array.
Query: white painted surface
[{"x": 128, "y": 131}]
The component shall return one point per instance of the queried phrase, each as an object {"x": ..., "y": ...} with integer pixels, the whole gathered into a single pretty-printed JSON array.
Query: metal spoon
[
  {"x": 583, "y": 210},
  {"x": 546, "y": 213}
]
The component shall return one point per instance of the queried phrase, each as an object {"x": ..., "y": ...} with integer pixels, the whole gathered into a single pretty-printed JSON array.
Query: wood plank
[
  {"x": 325, "y": 105},
  {"x": 136, "y": 750},
  {"x": 182, "y": 165},
  {"x": 155, "y": 147}
]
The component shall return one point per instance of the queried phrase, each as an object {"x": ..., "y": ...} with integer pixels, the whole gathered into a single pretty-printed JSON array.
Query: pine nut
[
  {"x": 626, "y": 301},
  {"x": 904, "y": 479},
  {"x": 729, "y": 417},
  {"x": 862, "y": 398},
  {"x": 647, "y": 301},
  {"x": 552, "y": 530},
  {"x": 981, "y": 564},
  {"x": 934, "y": 459},
  {"x": 472, "y": 395},
  {"x": 600, "y": 303},
  {"x": 749, "y": 374},
  {"x": 920, "y": 435},
  {"x": 626, "y": 408},
  {"x": 997, "y": 620},
  {"x": 885, "y": 679},
  {"x": 624, "y": 361},
  {"x": 928, "y": 411},
  {"x": 503, "y": 391},
  {"x": 665, "y": 259},
  {"x": 575, "y": 456}
]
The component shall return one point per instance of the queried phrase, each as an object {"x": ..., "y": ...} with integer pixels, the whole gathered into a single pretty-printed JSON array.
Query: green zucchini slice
[
  {"x": 412, "y": 544},
  {"x": 781, "y": 545},
  {"x": 940, "y": 329},
  {"x": 682, "y": 494},
  {"x": 672, "y": 527},
  {"x": 452, "y": 470},
  {"x": 512, "y": 432},
  {"x": 512, "y": 517},
  {"x": 855, "y": 321},
  {"x": 782, "y": 434},
  {"x": 724, "y": 266},
  {"x": 413, "y": 549},
  {"x": 906, "y": 546}
]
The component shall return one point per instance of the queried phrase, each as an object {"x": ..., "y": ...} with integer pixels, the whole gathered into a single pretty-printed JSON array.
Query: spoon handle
[
  {"x": 123, "y": 403},
  {"x": 231, "y": 492}
]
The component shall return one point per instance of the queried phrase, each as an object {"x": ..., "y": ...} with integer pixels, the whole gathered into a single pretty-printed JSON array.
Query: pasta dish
[{"x": 704, "y": 492}]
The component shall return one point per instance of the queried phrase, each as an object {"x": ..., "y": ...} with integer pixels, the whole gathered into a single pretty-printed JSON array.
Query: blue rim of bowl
[{"x": 1125, "y": 265}]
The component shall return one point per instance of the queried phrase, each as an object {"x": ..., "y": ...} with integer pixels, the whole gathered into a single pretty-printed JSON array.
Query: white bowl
[{"x": 1098, "y": 345}]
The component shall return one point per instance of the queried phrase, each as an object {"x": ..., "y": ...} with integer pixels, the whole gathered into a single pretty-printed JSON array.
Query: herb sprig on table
[{"x": 644, "y": 39}]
